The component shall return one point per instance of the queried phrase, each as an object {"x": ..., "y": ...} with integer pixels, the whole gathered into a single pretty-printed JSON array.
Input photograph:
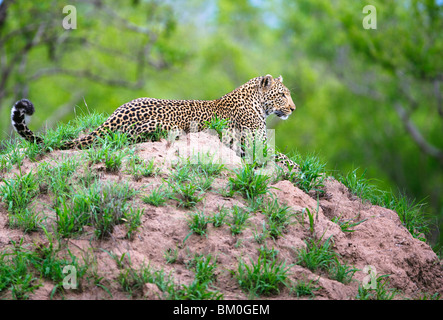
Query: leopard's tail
[
  {"x": 21, "y": 114},
  {"x": 80, "y": 143}
]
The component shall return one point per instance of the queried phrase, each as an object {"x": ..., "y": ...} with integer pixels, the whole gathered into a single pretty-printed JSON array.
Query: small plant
[
  {"x": 304, "y": 288},
  {"x": 271, "y": 253},
  {"x": 204, "y": 274},
  {"x": 260, "y": 237},
  {"x": 198, "y": 173},
  {"x": 187, "y": 194},
  {"x": 428, "y": 296},
  {"x": 90, "y": 259},
  {"x": 140, "y": 168},
  {"x": 132, "y": 280},
  {"x": 48, "y": 261},
  {"x": 101, "y": 205},
  {"x": 218, "y": 218},
  {"x": 97, "y": 154},
  {"x": 360, "y": 186},
  {"x": 239, "y": 217},
  {"x": 115, "y": 140},
  {"x": 255, "y": 149},
  {"x": 278, "y": 216},
  {"x": 58, "y": 177},
  {"x": 248, "y": 182},
  {"x": 71, "y": 217},
  {"x": 197, "y": 291},
  {"x": 206, "y": 165},
  {"x": 88, "y": 178},
  {"x": 346, "y": 225},
  {"x": 158, "y": 196},
  {"x": 203, "y": 182},
  {"x": 341, "y": 272},
  {"x": 123, "y": 261},
  {"x": 198, "y": 222},
  {"x": 18, "y": 192},
  {"x": 89, "y": 121},
  {"x": 182, "y": 182},
  {"x": 316, "y": 255},
  {"x": 25, "y": 219},
  {"x": 20, "y": 268},
  {"x": 217, "y": 124},
  {"x": 181, "y": 174},
  {"x": 380, "y": 292},
  {"x": 132, "y": 218},
  {"x": 310, "y": 175},
  {"x": 256, "y": 204},
  {"x": 108, "y": 150},
  {"x": 113, "y": 160},
  {"x": 33, "y": 151},
  {"x": 14, "y": 272},
  {"x": 171, "y": 255},
  {"x": 13, "y": 154},
  {"x": 55, "y": 138},
  {"x": 410, "y": 212},
  {"x": 108, "y": 204},
  {"x": 204, "y": 268},
  {"x": 310, "y": 217},
  {"x": 264, "y": 277},
  {"x": 5, "y": 164}
]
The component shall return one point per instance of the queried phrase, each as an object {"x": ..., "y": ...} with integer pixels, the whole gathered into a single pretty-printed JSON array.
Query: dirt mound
[
  {"x": 380, "y": 241},
  {"x": 377, "y": 245}
]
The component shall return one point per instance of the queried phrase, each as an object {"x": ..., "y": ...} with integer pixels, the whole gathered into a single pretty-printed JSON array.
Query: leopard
[{"x": 245, "y": 108}]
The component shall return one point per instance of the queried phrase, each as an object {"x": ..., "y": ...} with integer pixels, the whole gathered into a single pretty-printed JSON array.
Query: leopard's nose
[{"x": 292, "y": 106}]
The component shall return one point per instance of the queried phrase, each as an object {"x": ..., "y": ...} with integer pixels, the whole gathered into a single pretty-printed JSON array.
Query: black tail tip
[{"x": 26, "y": 105}]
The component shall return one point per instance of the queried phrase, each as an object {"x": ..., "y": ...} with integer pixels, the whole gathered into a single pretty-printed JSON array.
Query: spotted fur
[
  {"x": 246, "y": 108},
  {"x": 20, "y": 116}
]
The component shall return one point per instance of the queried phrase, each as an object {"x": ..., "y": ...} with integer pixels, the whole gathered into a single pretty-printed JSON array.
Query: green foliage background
[{"x": 358, "y": 91}]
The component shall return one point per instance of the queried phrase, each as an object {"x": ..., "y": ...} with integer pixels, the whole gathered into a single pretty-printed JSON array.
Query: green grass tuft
[
  {"x": 303, "y": 288},
  {"x": 18, "y": 192},
  {"x": 217, "y": 124},
  {"x": 198, "y": 222},
  {"x": 311, "y": 175},
  {"x": 158, "y": 196},
  {"x": 411, "y": 212},
  {"x": 239, "y": 216},
  {"x": 264, "y": 277},
  {"x": 380, "y": 292},
  {"x": 248, "y": 182},
  {"x": 279, "y": 217},
  {"x": 317, "y": 255}
]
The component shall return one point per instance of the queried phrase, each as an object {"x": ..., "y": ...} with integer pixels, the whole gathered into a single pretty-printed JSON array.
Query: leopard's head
[{"x": 275, "y": 97}]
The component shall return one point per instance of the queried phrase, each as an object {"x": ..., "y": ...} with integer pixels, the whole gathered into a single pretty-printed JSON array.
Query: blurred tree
[
  {"x": 377, "y": 91},
  {"x": 413, "y": 64},
  {"x": 112, "y": 45}
]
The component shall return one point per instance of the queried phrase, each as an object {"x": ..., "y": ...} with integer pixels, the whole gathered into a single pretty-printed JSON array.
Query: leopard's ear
[
  {"x": 280, "y": 78},
  {"x": 266, "y": 82}
]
